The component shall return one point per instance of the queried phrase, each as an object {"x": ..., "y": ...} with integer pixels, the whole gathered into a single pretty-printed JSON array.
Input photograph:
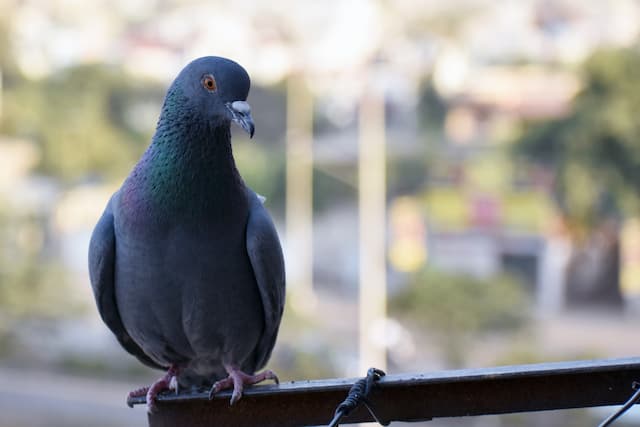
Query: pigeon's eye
[{"x": 209, "y": 83}]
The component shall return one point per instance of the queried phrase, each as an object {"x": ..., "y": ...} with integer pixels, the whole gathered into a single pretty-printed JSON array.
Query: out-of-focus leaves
[
  {"x": 432, "y": 108},
  {"x": 85, "y": 119},
  {"x": 454, "y": 307},
  {"x": 262, "y": 168},
  {"x": 594, "y": 150},
  {"x": 32, "y": 283},
  {"x": 458, "y": 302}
]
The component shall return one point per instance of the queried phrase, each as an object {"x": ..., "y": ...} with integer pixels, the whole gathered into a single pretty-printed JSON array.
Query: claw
[
  {"x": 238, "y": 380},
  {"x": 168, "y": 381},
  {"x": 220, "y": 385},
  {"x": 174, "y": 385}
]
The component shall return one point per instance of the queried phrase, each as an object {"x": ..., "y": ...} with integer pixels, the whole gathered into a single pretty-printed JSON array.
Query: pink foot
[
  {"x": 142, "y": 391},
  {"x": 167, "y": 382},
  {"x": 238, "y": 379}
]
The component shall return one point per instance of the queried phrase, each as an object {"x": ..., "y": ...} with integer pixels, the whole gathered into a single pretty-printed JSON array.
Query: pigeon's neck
[
  {"x": 188, "y": 169},
  {"x": 199, "y": 160}
]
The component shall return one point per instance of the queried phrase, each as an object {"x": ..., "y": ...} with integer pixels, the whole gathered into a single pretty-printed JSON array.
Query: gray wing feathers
[
  {"x": 101, "y": 272},
  {"x": 265, "y": 254}
]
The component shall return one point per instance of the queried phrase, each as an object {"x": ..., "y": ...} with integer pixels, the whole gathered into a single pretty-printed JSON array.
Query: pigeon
[{"x": 185, "y": 263}]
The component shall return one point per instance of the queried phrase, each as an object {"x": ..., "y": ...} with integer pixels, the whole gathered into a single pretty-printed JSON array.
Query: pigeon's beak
[{"x": 241, "y": 114}]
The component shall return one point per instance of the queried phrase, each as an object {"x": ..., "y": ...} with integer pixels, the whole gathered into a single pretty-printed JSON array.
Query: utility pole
[
  {"x": 0, "y": 93},
  {"x": 299, "y": 198},
  {"x": 372, "y": 207}
]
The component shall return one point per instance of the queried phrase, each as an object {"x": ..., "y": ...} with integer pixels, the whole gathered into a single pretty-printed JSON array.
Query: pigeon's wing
[
  {"x": 102, "y": 256},
  {"x": 265, "y": 253}
]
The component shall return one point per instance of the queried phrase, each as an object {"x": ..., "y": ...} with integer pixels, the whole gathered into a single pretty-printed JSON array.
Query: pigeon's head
[{"x": 217, "y": 88}]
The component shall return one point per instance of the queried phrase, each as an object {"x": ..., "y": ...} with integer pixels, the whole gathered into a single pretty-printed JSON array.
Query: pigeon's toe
[
  {"x": 168, "y": 381},
  {"x": 142, "y": 391},
  {"x": 238, "y": 379}
]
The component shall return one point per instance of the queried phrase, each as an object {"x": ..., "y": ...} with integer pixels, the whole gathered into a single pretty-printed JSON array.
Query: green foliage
[
  {"x": 7, "y": 63},
  {"x": 262, "y": 168},
  {"x": 32, "y": 284},
  {"x": 454, "y": 307},
  {"x": 406, "y": 174},
  {"x": 293, "y": 363},
  {"x": 432, "y": 109},
  {"x": 457, "y": 302},
  {"x": 594, "y": 150},
  {"x": 83, "y": 118},
  {"x": 35, "y": 288}
]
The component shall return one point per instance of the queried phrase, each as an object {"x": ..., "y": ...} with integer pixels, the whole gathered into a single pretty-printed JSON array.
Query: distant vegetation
[
  {"x": 456, "y": 307},
  {"x": 87, "y": 120},
  {"x": 594, "y": 154},
  {"x": 595, "y": 149}
]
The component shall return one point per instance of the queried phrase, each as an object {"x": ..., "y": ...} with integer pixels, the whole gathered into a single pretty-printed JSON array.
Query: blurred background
[{"x": 467, "y": 172}]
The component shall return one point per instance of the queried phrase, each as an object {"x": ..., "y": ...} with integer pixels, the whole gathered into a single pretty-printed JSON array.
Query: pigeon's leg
[
  {"x": 168, "y": 381},
  {"x": 238, "y": 379}
]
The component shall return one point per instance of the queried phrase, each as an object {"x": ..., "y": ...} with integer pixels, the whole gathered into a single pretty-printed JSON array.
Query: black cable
[
  {"x": 358, "y": 393},
  {"x": 628, "y": 404}
]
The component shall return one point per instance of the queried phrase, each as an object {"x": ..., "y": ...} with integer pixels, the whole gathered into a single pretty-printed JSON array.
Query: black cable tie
[
  {"x": 628, "y": 405},
  {"x": 359, "y": 393}
]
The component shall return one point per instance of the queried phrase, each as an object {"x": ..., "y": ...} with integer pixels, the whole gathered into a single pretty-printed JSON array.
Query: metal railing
[{"x": 412, "y": 397}]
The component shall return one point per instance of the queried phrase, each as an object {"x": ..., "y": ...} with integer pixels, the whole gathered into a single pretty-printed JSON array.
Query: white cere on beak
[{"x": 241, "y": 107}]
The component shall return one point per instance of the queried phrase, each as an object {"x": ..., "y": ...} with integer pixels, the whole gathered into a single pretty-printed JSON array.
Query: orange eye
[{"x": 209, "y": 83}]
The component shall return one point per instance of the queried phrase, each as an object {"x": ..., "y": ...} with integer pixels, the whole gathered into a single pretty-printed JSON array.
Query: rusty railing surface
[{"x": 411, "y": 397}]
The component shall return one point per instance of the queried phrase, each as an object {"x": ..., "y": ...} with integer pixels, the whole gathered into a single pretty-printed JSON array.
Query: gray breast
[{"x": 189, "y": 296}]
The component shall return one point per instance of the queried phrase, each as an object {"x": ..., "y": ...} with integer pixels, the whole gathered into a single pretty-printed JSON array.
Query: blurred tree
[
  {"x": 262, "y": 168},
  {"x": 33, "y": 284},
  {"x": 455, "y": 307},
  {"x": 595, "y": 156},
  {"x": 7, "y": 64},
  {"x": 432, "y": 109},
  {"x": 86, "y": 119}
]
